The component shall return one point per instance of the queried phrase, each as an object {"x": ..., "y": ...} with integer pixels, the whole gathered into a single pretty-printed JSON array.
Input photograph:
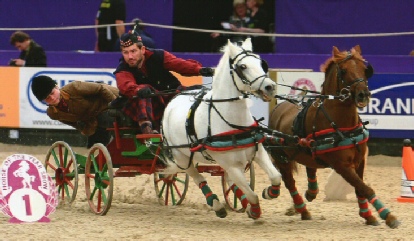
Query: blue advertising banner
[{"x": 391, "y": 108}]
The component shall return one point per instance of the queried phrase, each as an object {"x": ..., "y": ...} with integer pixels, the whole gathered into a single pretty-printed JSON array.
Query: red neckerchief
[{"x": 63, "y": 106}]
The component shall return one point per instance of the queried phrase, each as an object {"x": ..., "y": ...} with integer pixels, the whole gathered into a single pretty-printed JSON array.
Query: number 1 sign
[{"x": 27, "y": 192}]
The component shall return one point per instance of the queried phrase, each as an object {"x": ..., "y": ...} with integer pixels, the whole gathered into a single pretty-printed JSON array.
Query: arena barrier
[{"x": 407, "y": 179}]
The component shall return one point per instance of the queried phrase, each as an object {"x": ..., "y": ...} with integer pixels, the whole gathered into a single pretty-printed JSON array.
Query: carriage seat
[{"x": 115, "y": 110}]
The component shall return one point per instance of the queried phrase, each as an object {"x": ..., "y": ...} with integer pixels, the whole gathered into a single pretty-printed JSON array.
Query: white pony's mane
[{"x": 224, "y": 61}]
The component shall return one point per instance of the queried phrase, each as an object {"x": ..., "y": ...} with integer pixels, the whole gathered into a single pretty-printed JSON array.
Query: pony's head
[
  {"x": 346, "y": 74},
  {"x": 249, "y": 71}
]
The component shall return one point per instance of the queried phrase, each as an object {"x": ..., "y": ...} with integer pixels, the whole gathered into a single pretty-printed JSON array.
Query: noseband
[{"x": 235, "y": 67}]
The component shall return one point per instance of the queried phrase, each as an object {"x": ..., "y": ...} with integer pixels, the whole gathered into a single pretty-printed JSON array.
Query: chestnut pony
[{"x": 332, "y": 134}]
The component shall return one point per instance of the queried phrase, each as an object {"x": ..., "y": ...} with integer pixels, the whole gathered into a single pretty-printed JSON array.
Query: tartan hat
[
  {"x": 42, "y": 86},
  {"x": 128, "y": 39}
]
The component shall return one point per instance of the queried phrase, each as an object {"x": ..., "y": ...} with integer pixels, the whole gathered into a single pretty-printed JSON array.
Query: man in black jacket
[{"x": 32, "y": 54}]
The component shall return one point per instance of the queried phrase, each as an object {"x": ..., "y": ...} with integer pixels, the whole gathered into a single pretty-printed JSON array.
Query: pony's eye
[{"x": 243, "y": 66}]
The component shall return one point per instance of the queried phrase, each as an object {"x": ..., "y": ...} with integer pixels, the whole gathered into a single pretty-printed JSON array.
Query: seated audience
[{"x": 32, "y": 54}]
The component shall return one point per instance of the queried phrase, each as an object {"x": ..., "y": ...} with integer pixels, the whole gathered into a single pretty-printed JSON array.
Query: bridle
[
  {"x": 238, "y": 69},
  {"x": 345, "y": 91}
]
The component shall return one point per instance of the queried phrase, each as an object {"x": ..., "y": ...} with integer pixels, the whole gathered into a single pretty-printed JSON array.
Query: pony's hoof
[
  {"x": 271, "y": 192},
  {"x": 305, "y": 215},
  {"x": 222, "y": 213},
  {"x": 372, "y": 221},
  {"x": 310, "y": 196},
  {"x": 253, "y": 215},
  {"x": 392, "y": 221},
  {"x": 291, "y": 211}
]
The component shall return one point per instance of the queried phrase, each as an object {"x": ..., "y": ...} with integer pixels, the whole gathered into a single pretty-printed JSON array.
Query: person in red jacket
[{"x": 142, "y": 71}]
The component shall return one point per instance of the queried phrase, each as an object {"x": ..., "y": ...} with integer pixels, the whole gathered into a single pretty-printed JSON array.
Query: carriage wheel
[
  {"x": 171, "y": 189},
  {"x": 99, "y": 174},
  {"x": 62, "y": 160},
  {"x": 232, "y": 201}
]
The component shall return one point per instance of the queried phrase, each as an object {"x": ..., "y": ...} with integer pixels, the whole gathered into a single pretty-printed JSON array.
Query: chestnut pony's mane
[{"x": 339, "y": 57}]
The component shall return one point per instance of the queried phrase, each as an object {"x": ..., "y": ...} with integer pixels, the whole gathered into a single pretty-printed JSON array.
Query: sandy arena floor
[{"x": 136, "y": 215}]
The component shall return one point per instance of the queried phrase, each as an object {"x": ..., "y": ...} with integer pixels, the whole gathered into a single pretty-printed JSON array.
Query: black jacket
[{"x": 35, "y": 56}]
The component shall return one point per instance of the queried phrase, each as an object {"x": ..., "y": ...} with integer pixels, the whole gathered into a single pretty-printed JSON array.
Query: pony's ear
[
  {"x": 247, "y": 44},
  {"x": 357, "y": 48},
  {"x": 335, "y": 51},
  {"x": 233, "y": 48}
]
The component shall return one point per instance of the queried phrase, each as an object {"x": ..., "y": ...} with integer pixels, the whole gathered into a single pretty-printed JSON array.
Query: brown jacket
[{"x": 85, "y": 101}]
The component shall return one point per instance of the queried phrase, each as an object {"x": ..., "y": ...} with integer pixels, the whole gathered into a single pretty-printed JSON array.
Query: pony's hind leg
[
  {"x": 365, "y": 193},
  {"x": 313, "y": 188},
  {"x": 286, "y": 169},
  {"x": 211, "y": 198},
  {"x": 237, "y": 175}
]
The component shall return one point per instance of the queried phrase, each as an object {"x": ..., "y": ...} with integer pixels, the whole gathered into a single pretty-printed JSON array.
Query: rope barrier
[{"x": 217, "y": 31}]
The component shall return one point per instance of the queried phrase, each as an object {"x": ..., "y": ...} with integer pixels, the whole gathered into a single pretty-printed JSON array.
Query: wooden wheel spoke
[
  {"x": 94, "y": 163},
  {"x": 167, "y": 194},
  {"x": 60, "y": 156},
  {"x": 48, "y": 164},
  {"x": 177, "y": 190},
  {"x": 65, "y": 157},
  {"x": 91, "y": 176},
  {"x": 66, "y": 190},
  {"x": 162, "y": 189},
  {"x": 107, "y": 182},
  {"x": 103, "y": 195},
  {"x": 69, "y": 183},
  {"x": 69, "y": 164},
  {"x": 55, "y": 158},
  {"x": 176, "y": 178},
  {"x": 93, "y": 193}
]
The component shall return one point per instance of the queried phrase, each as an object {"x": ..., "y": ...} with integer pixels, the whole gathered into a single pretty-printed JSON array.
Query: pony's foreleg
[
  {"x": 313, "y": 188},
  {"x": 262, "y": 158},
  {"x": 290, "y": 183},
  {"x": 211, "y": 198},
  {"x": 365, "y": 193}
]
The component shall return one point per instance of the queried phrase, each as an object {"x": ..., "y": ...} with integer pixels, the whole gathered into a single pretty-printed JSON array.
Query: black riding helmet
[{"x": 42, "y": 86}]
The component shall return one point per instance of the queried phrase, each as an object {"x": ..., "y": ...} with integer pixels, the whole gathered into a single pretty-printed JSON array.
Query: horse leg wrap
[
  {"x": 313, "y": 189},
  {"x": 300, "y": 205},
  {"x": 271, "y": 192},
  {"x": 363, "y": 207},
  {"x": 240, "y": 195},
  {"x": 255, "y": 211},
  {"x": 381, "y": 209},
  {"x": 208, "y": 193}
]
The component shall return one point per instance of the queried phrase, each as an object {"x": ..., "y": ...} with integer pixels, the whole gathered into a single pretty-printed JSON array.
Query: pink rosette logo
[
  {"x": 302, "y": 83},
  {"x": 27, "y": 192}
]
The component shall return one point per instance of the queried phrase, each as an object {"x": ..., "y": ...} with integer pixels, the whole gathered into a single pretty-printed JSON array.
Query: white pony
[{"x": 216, "y": 126}]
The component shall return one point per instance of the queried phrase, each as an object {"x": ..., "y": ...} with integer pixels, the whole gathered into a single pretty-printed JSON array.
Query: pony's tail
[{"x": 170, "y": 167}]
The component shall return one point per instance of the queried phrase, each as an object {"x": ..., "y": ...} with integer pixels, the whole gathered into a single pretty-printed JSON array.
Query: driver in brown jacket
[{"x": 82, "y": 105}]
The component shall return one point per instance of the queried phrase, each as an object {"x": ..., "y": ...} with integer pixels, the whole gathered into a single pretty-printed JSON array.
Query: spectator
[
  {"x": 259, "y": 23},
  {"x": 139, "y": 30},
  {"x": 81, "y": 105},
  {"x": 238, "y": 19},
  {"x": 110, "y": 12},
  {"x": 32, "y": 54},
  {"x": 142, "y": 71}
]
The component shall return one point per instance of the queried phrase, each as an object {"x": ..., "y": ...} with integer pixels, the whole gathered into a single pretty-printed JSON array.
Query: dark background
[
  {"x": 290, "y": 17},
  {"x": 203, "y": 14}
]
